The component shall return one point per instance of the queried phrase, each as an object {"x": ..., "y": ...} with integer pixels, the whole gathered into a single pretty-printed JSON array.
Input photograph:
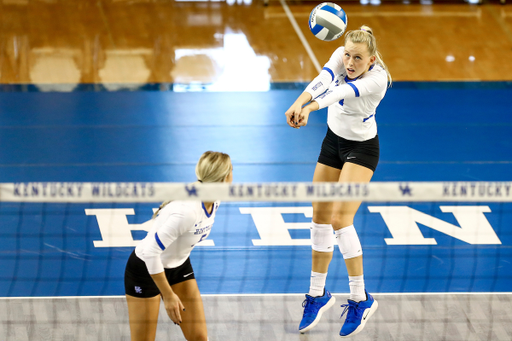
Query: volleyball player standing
[{"x": 160, "y": 267}]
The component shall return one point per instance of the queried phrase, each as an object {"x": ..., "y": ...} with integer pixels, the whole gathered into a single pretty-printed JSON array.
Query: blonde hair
[
  {"x": 211, "y": 167},
  {"x": 365, "y": 35}
]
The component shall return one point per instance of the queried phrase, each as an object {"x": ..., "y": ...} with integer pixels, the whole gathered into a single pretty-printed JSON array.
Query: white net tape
[{"x": 278, "y": 191}]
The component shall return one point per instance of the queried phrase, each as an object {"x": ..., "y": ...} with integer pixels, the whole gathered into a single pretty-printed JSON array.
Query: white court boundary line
[
  {"x": 301, "y": 36},
  {"x": 274, "y": 295}
]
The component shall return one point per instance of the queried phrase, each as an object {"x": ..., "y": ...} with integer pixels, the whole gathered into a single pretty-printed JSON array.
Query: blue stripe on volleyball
[
  {"x": 316, "y": 29},
  {"x": 334, "y": 11},
  {"x": 330, "y": 71},
  {"x": 355, "y": 89},
  {"x": 159, "y": 242}
]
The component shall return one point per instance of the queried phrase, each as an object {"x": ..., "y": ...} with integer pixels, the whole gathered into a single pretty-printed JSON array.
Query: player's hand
[
  {"x": 301, "y": 120},
  {"x": 174, "y": 307},
  {"x": 292, "y": 114},
  {"x": 303, "y": 117}
]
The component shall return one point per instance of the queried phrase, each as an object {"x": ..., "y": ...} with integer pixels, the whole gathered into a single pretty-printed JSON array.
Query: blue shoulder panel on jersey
[
  {"x": 355, "y": 89},
  {"x": 330, "y": 71},
  {"x": 159, "y": 242}
]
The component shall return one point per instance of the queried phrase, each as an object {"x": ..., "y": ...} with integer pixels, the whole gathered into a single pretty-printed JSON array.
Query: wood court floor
[
  {"x": 142, "y": 41},
  {"x": 58, "y": 44}
]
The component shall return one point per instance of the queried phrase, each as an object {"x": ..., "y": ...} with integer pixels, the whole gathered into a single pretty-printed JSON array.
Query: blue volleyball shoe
[
  {"x": 314, "y": 307},
  {"x": 358, "y": 313}
]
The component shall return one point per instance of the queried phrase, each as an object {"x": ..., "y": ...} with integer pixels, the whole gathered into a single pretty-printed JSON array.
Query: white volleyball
[{"x": 328, "y": 21}]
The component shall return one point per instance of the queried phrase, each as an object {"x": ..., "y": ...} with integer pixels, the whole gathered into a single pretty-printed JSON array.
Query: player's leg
[
  {"x": 193, "y": 322},
  {"x": 143, "y": 298},
  {"x": 143, "y": 317},
  {"x": 360, "y": 305},
  {"x": 322, "y": 213},
  {"x": 318, "y": 300}
]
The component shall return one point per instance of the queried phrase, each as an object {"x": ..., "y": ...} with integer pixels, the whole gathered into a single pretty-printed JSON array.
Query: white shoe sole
[
  {"x": 322, "y": 310},
  {"x": 372, "y": 310}
]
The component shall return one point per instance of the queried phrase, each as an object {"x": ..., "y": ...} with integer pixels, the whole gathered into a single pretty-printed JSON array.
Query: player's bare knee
[
  {"x": 321, "y": 217},
  {"x": 321, "y": 214},
  {"x": 322, "y": 221},
  {"x": 339, "y": 221}
]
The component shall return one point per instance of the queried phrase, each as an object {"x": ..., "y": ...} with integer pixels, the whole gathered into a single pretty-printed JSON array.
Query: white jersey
[
  {"x": 179, "y": 226},
  {"x": 352, "y": 103}
]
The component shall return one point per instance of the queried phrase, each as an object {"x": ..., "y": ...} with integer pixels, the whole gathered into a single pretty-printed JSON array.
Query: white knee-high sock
[{"x": 317, "y": 284}]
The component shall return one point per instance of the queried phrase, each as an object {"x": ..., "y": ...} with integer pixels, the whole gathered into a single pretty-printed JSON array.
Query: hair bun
[{"x": 366, "y": 29}]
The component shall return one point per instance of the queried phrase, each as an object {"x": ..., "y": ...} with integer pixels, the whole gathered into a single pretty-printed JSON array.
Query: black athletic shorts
[
  {"x": 337, "y": 150},
  {"x": 138, "y": 281}
]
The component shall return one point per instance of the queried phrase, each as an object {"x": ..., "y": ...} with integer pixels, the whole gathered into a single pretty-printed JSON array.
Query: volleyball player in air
[
  {"x": 160, "y": 268},
  {"x": 351, "y": 84}
]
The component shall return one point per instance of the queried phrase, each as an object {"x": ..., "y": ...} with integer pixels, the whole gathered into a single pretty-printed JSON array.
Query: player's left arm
[{"x": 373, "y": 82}]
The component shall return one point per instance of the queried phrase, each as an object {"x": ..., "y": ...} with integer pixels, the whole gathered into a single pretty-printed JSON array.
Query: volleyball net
[
  {"x": 64, "y": 247},
  {"x": 73, "y": 239}
]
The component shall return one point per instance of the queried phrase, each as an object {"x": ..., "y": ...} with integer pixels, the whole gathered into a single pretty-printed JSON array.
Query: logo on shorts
[
  {"x": 188, "y": 274},
  {"x": 138, "y": 290}
]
